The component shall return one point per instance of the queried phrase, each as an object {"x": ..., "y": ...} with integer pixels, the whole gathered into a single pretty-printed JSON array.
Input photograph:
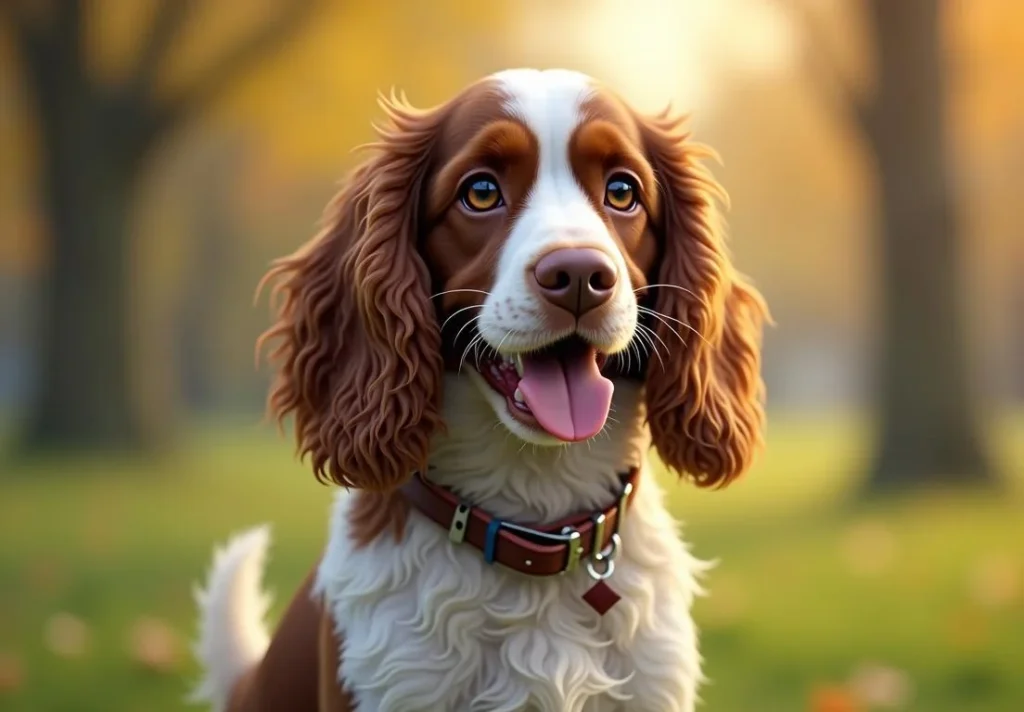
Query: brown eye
[
  {"x": 620, "y": 193},
  {"x": 480, "y": 193}
]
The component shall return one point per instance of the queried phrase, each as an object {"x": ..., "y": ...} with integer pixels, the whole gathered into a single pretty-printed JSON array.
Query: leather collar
[{"x": 533, "y": 550}]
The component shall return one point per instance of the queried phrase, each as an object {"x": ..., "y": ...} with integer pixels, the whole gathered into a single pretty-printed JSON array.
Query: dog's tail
[{"x": 232, "y": 636}]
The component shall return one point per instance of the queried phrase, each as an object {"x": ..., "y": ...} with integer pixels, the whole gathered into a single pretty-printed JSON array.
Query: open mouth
[{"x": 558, "y": 389}]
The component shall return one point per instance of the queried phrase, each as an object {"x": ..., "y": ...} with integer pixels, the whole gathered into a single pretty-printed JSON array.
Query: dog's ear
[
  {"x": 704, "y": 406},
  {"x": 358, "y": 348}
]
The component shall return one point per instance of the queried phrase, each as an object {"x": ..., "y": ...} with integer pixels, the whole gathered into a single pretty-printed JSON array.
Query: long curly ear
[
  {"x": 704, "y": 406},
  {"x": 359, "y": 349}
]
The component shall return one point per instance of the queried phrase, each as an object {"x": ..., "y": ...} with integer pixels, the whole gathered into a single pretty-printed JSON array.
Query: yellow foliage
[
  {"x": 305, "y": 107},
  {"x": 316, "y": 100},
  {"x": 987, "y": 37}
]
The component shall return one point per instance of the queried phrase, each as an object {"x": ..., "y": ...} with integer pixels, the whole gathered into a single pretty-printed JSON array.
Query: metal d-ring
[
  {"x": 607, "y": 564},
  {"x": 604, "y": 558}
]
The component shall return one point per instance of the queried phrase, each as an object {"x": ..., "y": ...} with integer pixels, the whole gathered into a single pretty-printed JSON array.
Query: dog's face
[{"x": 538, "y": 236}]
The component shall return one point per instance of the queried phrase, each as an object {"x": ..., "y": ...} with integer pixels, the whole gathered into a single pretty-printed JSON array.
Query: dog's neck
[{"x": 489, "y": 467}]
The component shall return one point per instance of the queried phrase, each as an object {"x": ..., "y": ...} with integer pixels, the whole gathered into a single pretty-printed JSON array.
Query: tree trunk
[
  {"x": 95, "y": 137},
  {"x": 84, "y": 395},
  {"x": 203, "y": 283},
  {"x": 1017, "y": 336},
  {"x": 929, "y": 432}
]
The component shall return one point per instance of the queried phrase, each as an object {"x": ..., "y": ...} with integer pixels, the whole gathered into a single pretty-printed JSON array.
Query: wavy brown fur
[
  {"x": 705, "y": 408},
  {"x": 358, "y": 346}
]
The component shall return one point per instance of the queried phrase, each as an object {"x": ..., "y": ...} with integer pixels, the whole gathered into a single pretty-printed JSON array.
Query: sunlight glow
[{"x": 653, "y": 51}]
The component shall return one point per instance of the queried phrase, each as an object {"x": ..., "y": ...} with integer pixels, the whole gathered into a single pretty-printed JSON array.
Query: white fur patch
[{"x": 427, "y": 624}]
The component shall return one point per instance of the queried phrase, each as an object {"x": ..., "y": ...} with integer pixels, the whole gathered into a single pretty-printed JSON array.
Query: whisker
[
  {"x": 459, "y": 311},
  {"x": 669, "y": 286},
  {"x": 498, "y": 349},
  {"x": 474, "y": 319},
  {"x": 671, "y": 329},
  {"x": 634, "y": 349},
  {"x": 478, "y": 337},
  {"x": 640, "y": 348},
  {"x": 476, "y": 354},
  {"x": 658, "y": 315},
  {"x": 650, "y": 348},
  {"x": 476, "y": 351},
  {"x": 648, "y": 332},
  {"x": 654, "y": 333},
  {"x": 453, "y": 291},
  {"x": 641, "y": 345}
]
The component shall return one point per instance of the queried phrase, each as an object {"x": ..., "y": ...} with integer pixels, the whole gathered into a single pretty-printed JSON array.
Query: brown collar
[{"x": 536, "y": 551}]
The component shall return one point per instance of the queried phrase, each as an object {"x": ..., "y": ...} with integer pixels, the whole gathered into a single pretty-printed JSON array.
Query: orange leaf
[
  {"x": 833, "y": 698},
  {"x": 154, "y": 645},
  {"x": 12, "y": 673}
]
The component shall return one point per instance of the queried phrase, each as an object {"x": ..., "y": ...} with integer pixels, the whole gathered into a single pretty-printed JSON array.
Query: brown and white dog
[{"x": 517, "y": 295}]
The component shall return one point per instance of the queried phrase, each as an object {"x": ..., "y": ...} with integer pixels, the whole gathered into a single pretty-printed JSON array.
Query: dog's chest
[{"x": 427, "y": 625}]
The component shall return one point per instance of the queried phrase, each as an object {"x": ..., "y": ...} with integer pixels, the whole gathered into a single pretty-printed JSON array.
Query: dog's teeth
[
  {"x": 519, "y": 364},
  {"x": 519, "y": 396}
]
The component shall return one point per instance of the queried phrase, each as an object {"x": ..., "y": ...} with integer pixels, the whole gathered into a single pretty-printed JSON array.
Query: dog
[{"x": 515, "y": 298}]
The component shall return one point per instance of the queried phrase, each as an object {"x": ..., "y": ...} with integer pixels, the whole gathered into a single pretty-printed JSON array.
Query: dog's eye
[
  {"x": 620, "y": 193},
  {"x": 480, "y": 193}
]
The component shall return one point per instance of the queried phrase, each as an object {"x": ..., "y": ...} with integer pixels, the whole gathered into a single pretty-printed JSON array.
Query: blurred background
[{"x": 157, "y": 154}]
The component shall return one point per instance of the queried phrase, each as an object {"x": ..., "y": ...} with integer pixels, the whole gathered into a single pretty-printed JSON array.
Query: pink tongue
[{"x": 568, "y": 396}]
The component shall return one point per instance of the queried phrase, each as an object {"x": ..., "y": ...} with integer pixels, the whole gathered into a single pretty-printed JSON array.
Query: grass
[{"x": 809, "y": 588}]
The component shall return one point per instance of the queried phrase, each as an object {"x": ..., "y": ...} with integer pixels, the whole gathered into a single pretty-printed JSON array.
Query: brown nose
[{"x": 576, "y": 279}]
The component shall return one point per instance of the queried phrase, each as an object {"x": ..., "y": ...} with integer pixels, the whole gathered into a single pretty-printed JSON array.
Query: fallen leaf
[
  {"x": 881, "y": 686},
  {"x": 995, "y": 581},
  {"x": 66, "y": 635},
  {"x": 12, "y": 673},
  {"x": 869, "y": 548},
  {"x": 154, "y": 645},
  {"x": 833, "y": 698}
]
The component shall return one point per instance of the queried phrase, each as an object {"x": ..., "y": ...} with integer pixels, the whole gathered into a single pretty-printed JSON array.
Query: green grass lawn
[{"x": 809, "y": 589}]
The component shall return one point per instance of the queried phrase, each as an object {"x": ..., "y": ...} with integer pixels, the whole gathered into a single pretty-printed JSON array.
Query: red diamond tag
[{"x": 601, "y": 597}]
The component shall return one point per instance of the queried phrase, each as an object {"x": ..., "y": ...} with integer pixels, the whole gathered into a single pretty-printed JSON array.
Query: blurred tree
[
  {"x": 95, "y": 138},
  {"x": 213, "y": 244},
  {"x": 929, "y": 430}
]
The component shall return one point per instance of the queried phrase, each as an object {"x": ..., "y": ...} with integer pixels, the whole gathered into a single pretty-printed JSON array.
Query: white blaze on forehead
[
  {"x": 550, "y": 104},
  {"x": 548, "y": 101},
  {"x": 555, "y": 213}
]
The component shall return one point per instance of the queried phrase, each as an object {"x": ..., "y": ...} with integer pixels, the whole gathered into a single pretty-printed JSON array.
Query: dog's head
[{"x": 544, "y": 240}]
